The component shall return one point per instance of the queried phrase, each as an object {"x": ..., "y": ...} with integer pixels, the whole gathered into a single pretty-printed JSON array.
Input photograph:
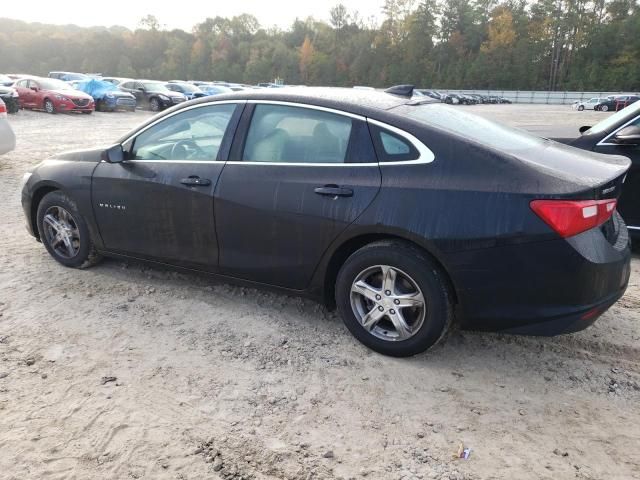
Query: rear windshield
[
  {"x": 472, "y": 127},
  {"x": 611, "y": 122}
]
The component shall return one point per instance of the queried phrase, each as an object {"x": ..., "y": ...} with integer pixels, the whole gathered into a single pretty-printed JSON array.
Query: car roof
[{"x": 346, "y": 99}]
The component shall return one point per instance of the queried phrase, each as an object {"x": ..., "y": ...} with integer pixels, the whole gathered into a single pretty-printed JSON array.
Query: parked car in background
[
  {"x": 608, "y": 104},
  {"x": 187, "y": 89},
  {"x": 68, "y": 76},
  {"x": 618, "y": 134},
  {"x": 107, "y": 96},
  {"x": 210, "y": 89},
  {"x": 451, "y": 98},
  {"x": 399, "y": 212},
  {"x": 5, "y": 80},
  {"x": 52, "y": 96},
  {"x": 152, "y": 94},
  {"x": 9, "y": 96},
  {"x": 588, "y": 104},
  {"x": 7, "y": 137},
  {"x": 116, "y": 80},
  {"x": 428, "y": 93}
]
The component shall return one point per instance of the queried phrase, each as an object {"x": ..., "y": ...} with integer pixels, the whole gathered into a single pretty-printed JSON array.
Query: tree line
[{"x": 481, "y": 44}]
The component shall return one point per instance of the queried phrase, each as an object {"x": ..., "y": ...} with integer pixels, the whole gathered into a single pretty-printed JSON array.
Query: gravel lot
[{"x": 125, "y": 371}]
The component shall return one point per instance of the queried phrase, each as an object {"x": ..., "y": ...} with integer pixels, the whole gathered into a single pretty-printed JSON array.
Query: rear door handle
[
  {"x": 334, "y": 191},
  {"x": 194, "y": 181}
]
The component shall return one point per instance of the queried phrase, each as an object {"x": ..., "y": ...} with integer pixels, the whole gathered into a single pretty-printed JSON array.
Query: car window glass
[
  {"x": 393, "y": 145},
  {"x": 281, "y": 133},
  {"x": 611, "y": 122},
  {"x": 195, "y": 134},
  {"x": 127, "y": 85}
]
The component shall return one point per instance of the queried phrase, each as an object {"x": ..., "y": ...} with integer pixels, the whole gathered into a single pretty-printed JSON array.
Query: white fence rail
[{"x": 551, "y": 98}]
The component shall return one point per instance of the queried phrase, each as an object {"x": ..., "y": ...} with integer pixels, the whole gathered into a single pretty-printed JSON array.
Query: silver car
[{"x": 7, "y": 138}]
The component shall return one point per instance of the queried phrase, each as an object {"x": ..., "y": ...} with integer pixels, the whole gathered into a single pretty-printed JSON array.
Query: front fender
[{"x": 71, "y": 177}]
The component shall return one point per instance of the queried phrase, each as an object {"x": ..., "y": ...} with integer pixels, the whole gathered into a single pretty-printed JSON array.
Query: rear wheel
[
  {"x": 604, "y": 108},
  {"x": 393, "y": 298},
  {"x": 48, "y": 106},
  {"x": 64, "y": 232}
]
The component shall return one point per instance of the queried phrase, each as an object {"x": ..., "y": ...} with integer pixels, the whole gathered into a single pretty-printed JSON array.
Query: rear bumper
[{"x": 544, "y": 288}]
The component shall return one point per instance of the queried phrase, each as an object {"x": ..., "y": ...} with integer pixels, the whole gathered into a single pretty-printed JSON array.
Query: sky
[{"x": 180, "y": 14}]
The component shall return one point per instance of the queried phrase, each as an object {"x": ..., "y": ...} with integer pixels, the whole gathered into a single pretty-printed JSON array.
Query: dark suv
[{"x": 152, "y": 94}]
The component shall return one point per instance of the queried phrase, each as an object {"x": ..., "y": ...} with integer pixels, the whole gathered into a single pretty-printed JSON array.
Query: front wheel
[
  {"x": 154, "y": 104},
  {"x": 604, "y": 108},
  {"x": 581, "y": 108},
  {"x": 49, "y": 107},
  {"x": 393, "y": 298},
  {"x": 64, "y": 232}
]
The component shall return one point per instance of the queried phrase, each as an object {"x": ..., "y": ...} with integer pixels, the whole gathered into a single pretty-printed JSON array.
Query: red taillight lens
[
  {"x": 3, "y": 109},
  {"x": 570, "y": 217}
]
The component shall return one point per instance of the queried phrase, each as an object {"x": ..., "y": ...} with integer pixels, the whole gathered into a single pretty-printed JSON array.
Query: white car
[
  {"x": 589, "y": 104},
  {"x": 7, "y": 138}
]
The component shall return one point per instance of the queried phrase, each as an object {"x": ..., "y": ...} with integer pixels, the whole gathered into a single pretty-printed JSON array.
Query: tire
[
  {"x": 48, "y": 106},
  {"x": 604, "y": 108},
  {"x": 580, "y": 108},
  {"x": 154, "y": 105},
  {"x": 415, "y": 274},
  {"x": 100, "y": 106},
  {"x": 80, "y": 251}
]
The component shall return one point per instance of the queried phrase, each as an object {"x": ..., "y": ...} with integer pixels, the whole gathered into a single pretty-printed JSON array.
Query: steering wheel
[{"x": 188, "y": 147}]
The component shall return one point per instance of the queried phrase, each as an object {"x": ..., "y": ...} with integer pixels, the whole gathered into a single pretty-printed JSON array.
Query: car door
[
  {"x": 629, "y": 202},
  {"x": 22, "y": 86},
  {"x": 158, "y": 203},
  {"x": 297, "y": 177},
  {"x": 131, "y": 88}
]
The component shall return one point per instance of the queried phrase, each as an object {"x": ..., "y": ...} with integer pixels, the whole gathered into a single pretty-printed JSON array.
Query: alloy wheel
[
  {"x": 155, "y": 105},
  {"x": 48, "y": 106},
  {"x": 61, "y": 232},
  {"x": 388, "y": 303}
]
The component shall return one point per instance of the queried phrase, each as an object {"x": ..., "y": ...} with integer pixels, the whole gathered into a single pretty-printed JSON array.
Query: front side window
[
  {"x": 195, "y": 134},
  {"x": 127, "y": 85},
  {"x": 287, "y": 134}
]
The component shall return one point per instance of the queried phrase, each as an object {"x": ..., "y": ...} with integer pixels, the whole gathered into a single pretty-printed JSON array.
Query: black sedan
[
  {"x": 152, "y": 94},
  {"x": 619, "y": 134},
  {"x": 10, "y": 98},
  {"x": 400, "y": 211}
]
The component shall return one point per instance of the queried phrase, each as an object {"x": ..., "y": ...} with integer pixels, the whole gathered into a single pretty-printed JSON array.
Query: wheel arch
[
  {"x": 345, "y": 249},
  {"x": 38, "y": 194}
]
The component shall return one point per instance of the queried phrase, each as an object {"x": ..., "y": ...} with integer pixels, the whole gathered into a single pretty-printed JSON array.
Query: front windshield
[
  {"x": 155, "y": 87},
  {"x": 471, "y": 126},
  {"x": 611, "y": 122},
  {"x": 52, "y": 84}
]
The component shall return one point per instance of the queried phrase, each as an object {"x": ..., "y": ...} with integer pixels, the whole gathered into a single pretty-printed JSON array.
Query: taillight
[
  {"x": 3, "y": 109},
  {"x": 570, "y": 217}
]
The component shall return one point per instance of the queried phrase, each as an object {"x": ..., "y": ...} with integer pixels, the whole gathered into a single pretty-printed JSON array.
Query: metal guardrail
[{"x": 531, "y": 96}]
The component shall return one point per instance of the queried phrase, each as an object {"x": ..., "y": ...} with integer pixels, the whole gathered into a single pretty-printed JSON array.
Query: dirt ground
[{"x": 125, "y": 371}]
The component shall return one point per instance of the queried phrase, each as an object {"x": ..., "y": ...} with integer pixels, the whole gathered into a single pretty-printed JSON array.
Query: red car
[{"x": 52, "y": 96}]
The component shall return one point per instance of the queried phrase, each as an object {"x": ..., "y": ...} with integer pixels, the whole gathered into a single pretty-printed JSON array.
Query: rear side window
[
  {"x": 391, "y": 147},
  {"x": 280, "y": 133}
]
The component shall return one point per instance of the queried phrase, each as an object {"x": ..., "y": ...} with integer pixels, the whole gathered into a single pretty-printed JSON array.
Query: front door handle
[
  {"x": 334, "y": 191},
  {"x": 194, "y": 181}
]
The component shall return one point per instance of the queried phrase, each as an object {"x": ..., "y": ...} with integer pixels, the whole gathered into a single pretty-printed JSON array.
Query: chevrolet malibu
[{"x": 402, "y": 213}]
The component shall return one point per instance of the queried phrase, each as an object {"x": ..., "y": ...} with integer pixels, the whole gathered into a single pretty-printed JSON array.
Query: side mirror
[
  {"x": 628, "y": 135},
  {"x": 114, "y": 154},
  {"x": 141, "y": 89},
  {"x": 35, "y": 89},
  {"x": 584, "y": 128}
]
